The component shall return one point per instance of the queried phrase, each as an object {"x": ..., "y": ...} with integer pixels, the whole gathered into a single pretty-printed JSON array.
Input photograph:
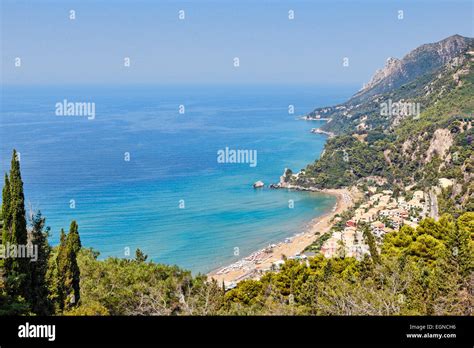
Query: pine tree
[
  {"x": 451, "y": 280},
  {"x": 461, "y": 244}
]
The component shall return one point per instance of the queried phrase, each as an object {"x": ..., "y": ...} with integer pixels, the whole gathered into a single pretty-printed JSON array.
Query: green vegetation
[
  {"x": 133, "y": 287},
  {"x": 316, "y": 246},
  {"x": 422, "y": 271},
  {"x": 40, "y": 303},
  {"x": 344, "y": 161},
  {"x": 410, "y": 152},
  {"x": 431, "y": 80},
  {"x": 411, "y": 278},
  {"x": 425, "y": 270},
  {"x": 70, "y": 280},
  {"x": 67, "y": 269},
  {"x": 49, "y": 283},
  {"x": 369, "y": 237},
  {"x": 16, "y": 270}
]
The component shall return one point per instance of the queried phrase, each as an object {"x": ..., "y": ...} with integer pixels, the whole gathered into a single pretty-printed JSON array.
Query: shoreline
[
  {"x": 257, "y": 263},
  {"x": 319, "y": 131}
]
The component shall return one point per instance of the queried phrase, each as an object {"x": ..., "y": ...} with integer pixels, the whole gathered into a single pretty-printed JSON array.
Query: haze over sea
[{"x": 135, "y": 204}]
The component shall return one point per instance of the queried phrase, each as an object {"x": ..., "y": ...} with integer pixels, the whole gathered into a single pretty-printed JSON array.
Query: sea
[{"x": 143, "y": 171}]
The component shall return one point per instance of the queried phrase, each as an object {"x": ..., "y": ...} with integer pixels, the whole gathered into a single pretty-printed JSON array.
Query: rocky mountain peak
[
  {"x": 418, "y": 62},
  {"x": 391, "y": 66}
]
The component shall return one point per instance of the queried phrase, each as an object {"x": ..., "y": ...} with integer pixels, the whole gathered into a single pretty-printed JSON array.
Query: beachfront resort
[{"x": 343, "y": 231}]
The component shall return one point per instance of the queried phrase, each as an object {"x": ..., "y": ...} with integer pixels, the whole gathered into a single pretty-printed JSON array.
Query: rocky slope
[
  {"x": 418, "y": 80},
  {"x": 421, "y": 61}
]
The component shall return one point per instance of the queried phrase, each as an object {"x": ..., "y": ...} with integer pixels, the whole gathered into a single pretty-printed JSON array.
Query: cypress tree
[
  {"x": 40, "y": 303},
  {"x": 17, "y": 203},
  {"x": 68, "y": 269},
  {"x": 140, "y": 255},
  {"x": 6, "y": 216},
  {"x": 15, "y": 232},
  {"x": 61, "y": 265},
  {"x": 74, "y": 236},
  {"x": 371, "y": 242},
  {"x": 75, "y": 275},
  {"x": 62, "y": 239}
]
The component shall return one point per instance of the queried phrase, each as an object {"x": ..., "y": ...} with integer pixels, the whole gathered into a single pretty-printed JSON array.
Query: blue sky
[{"x": 200, "y": 49}]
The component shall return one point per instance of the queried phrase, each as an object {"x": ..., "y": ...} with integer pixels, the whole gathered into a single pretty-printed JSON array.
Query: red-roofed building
[{"x": 351, "y": 223}]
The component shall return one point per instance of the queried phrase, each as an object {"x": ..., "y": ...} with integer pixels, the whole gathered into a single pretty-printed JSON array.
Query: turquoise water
[{"x": 136, "y": 204}]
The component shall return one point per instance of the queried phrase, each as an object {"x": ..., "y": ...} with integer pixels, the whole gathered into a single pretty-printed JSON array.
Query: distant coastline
[
  {"x": 317, "y": 118},
  {"x": 320, "y": 131},
  {"x": 312, "y": 118}
]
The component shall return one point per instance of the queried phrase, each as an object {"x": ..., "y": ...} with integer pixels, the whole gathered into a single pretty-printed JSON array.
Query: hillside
[
  {"x": 422, "y": 61},
  {"x": 422, "y": 76},
  {"x": 407, "y": 150},
  {"x": 405, "y": 249}
]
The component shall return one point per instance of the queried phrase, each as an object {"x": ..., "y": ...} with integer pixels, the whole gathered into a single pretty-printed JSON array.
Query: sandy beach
[{"x": 254, "y": 265}]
